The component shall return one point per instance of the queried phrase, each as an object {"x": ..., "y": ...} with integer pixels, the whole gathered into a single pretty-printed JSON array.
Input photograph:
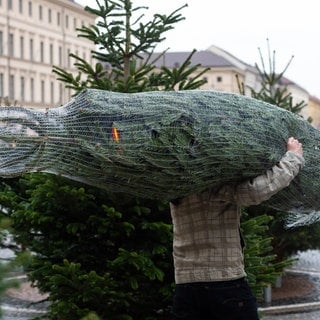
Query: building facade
[
  {"x": 314, "y": 111},
  {"x": 34, "y": 36},
  {"x": 227, "y": 72}
]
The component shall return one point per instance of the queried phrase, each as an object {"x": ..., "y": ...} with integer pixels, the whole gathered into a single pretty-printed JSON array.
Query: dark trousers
[{"x": 225, "y": 300}]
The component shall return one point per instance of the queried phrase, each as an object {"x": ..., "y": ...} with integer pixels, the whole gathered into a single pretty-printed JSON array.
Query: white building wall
[{"x": 43, "y": 34}]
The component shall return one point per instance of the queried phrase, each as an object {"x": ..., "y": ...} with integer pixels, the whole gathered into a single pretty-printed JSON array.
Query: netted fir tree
[
  {"x": 108, "y": 255},
  {"x": 285, "y": 241},
  {"x": 99, "y": 254}
]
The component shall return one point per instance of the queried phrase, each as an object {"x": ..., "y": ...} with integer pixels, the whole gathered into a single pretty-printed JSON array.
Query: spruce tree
[
  {"x": 102, "y": 255},
  {"x": 284, "y": 241}
]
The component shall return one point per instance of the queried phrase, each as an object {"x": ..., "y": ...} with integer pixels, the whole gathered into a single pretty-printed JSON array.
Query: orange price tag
[{"x": 115, "y": 134}]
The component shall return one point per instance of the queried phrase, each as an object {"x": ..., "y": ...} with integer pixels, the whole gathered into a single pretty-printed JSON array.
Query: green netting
[{"x": 161, "y": 145}]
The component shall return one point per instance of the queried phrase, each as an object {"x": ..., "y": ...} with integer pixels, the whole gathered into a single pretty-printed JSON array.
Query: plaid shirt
[{"x": 206, "y": 245}]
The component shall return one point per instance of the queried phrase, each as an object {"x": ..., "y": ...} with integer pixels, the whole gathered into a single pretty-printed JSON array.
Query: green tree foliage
[
  {"x": 286, "y": 242},
  {"x": 101, "y": 255},
  {"x": 261, "y": 263},
  {"x": 273, "y": 89},
  {"x": 125, "y": 44},
  {"x": 6, "y": 266},
  {"x": 114, "y": 260}
]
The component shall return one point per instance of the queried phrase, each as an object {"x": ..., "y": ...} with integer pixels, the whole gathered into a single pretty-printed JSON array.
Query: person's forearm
[{"x": 277, "y": 178}]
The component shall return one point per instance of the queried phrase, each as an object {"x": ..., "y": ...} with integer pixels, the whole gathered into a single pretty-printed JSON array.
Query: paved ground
[
  {"x": 16, "y": 305},
  {"x": 313, "y": 315},
  {"x": 19, "y": 304},
  {"x": 308, "y": 303}
]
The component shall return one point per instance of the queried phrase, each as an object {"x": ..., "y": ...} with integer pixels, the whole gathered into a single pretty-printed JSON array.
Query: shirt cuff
[{"x": 293, "y": 156}]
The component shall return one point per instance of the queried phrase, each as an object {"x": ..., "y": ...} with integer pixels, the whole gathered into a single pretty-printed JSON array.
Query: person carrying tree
[{"x": 208, "y": 248}]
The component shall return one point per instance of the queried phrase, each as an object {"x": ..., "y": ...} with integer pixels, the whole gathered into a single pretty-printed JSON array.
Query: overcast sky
[{"x": 241, "y": 27}]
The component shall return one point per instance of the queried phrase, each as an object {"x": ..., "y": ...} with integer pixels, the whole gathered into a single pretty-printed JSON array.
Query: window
[
  {"x": 11, "y": 45},
  {"x": 49, "y": 16},
  {"x": 51, "y": 53},
  {"x": 32, "y": 89},
  {"x": 58, "y": 18},
  {"x": 9, "y": 4},
  {"x": 21, "y": 47},
  {"x": 219, "y": 79},
  {"x": 60, "y": 56},
  {"x": 67, "y": 21},
  {"x": 30, "y": 8},
  {"x": 20, "y": 6},
  {"x": 31, "y": 50},
  {"x": 52, "y": 92},
  {"x": 11, "y": 87},
  {"x": 22, "y": 89},
  {"x": 75, "y": 23},
  {"x": 40, "y": 13},
  {"x": 42, "y": 91},
  {"x": 41, "y": 51},
  {"x": 1, "y": 85},
  {"x": 69, "y": 58},
  {"x": 60, "y": 93},
  {"x": 1, "y": 43}
]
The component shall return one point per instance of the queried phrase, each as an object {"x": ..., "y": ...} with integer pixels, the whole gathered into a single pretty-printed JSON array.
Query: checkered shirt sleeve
[{"x": 263, "y": 187}]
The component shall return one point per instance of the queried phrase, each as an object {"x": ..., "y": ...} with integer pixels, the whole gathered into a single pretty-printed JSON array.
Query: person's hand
[{"x": 295, "y": 146}]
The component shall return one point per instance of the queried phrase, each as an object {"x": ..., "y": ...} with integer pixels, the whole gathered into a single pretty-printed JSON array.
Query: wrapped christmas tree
[{"x": 161, "y": 145}]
